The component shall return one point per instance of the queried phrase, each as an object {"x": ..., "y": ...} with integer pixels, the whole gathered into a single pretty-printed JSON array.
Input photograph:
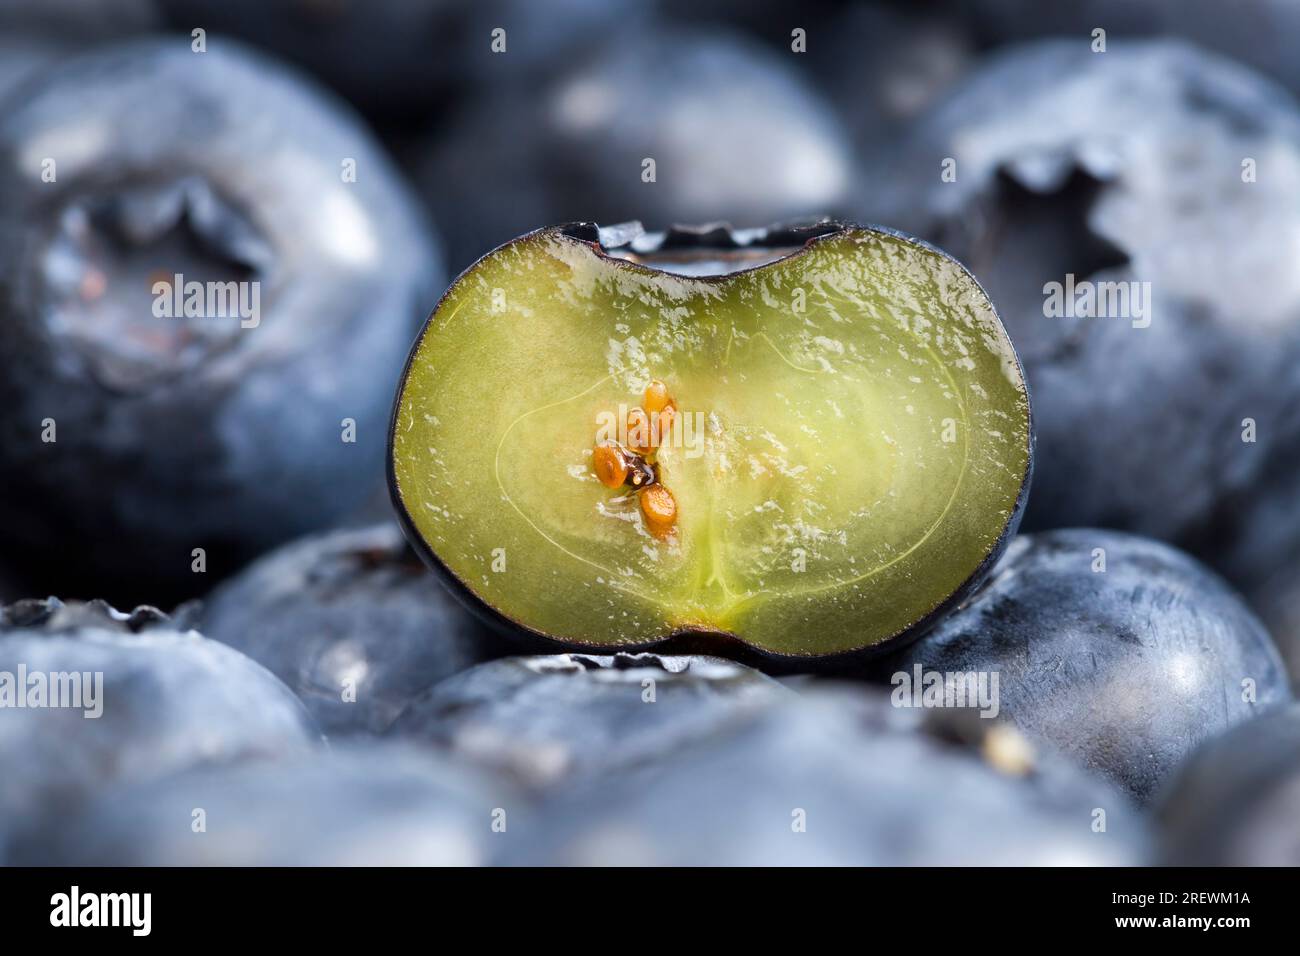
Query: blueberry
[
  {"x": 732, "y": 130},
  {"x": 829, "y": 779},
  {"x": 384, "y": 805},
  {"x": 351, "y": 621},
  {"x": 1124, "y": 670},
  {"x": 1130, "y": 167},
  {"x": 127, "y": 439},
  {"x": 566, "y": 716},
  {"x": 1236, "y": 800},
  {"x": 167, "y": 700}
]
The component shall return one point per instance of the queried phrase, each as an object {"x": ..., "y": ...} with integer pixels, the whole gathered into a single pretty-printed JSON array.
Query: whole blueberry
[
  {"x": 1236, "y": 800},
  {"x": 156, "y": 431},
  {"x": 90, "y": 698},
  {"x": 838, "y": 778},
  {"x": 1132, "y": 214},
  {"x": 352, "y": 622},
  {"x": 381, "y": 805},
  {"x": 670, "y": 125},
  {"x": 1120, "y": 652},
  {"x": 561, "y": 717}
]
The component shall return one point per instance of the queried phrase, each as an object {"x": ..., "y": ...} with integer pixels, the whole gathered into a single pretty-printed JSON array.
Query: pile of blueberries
[{"x": 312, "y": 696}]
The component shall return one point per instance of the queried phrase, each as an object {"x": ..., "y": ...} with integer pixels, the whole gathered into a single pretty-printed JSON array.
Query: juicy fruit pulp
[{"x": 850, "y": 447}]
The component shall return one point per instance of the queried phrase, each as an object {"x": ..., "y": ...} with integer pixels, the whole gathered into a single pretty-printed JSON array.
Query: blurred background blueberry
[
  {"x": 761, "y": 145},
  {"x": 1115, "y": 650},
  {"x": 131, "y": 435},
  {"x": 167, "y": 699},
  {"x": 1174, "y": 176},
  {"x": 382, "y": 805},
  {"x": 552, "y": 718},
  {"x": 1236, "y": 801},
  {"x": 841, "y": 777},
  {"x": 352, "y": 621}
]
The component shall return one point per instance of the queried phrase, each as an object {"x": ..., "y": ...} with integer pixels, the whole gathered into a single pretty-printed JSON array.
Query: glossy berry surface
[
  {"x": 168, "y": 700},
  {"x": 143, "y": 416},
  {"x": 1121, "y": 652},
  {"x": 551, "y": 719},
  {"x": 351, "y": 622}
]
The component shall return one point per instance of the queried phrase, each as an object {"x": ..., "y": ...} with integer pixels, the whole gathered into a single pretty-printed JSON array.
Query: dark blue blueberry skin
[
  {"x": 552, "y": 719},
  {"x": 734, "y": 130},
  {"x": 350, "y": 611},
  {"x": 377, "y": 805},
  {"x": 1236, "y": 800},
  {"x": 870, "y": 784},
  {"x": 1124, "y": 671},
  {"x": 1127, "y": 167},
  {"x": 169, "y": 700},
  {"x": 179, "y": 433}
]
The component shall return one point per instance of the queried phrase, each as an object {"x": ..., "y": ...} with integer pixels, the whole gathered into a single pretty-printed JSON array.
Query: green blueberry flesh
[{"x": 851, "y": 449}]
